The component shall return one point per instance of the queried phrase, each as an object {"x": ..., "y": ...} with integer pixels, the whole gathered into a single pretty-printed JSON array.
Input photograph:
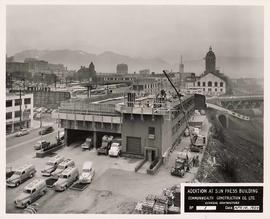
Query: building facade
[
  {"x": 19, "y": 112},
  {"x": 146, "y": 86},
  {"x": 147, "y": 129},
  {"x": 122, "y": 68},
  {"x": 211, "y": 84}
]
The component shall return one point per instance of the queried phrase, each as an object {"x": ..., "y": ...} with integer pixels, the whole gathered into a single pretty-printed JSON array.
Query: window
[
  {"x": 17, "y": 114},
  {"x": 215, "y": 89},
  {"x": 221, "y": 84},
  {"x": 203, "y": 89},
  {"x": 9, "y": 115},
  {"x": 209, "y": 84},
  {"x": 209, "y": 89},
  {"x": 8, "y": 103},
  {"x": 221, "y": 90},
  {"x": 203, "y": 84},
  {"x": 151, "y": 130},
  {"x": 199, "y": 83},
  {"x": 17, "y": 102},
  {"x": 216, "y": 84},
  {"x": 27, "y": 101}
]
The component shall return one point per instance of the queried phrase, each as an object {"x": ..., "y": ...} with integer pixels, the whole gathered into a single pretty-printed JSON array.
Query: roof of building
[{"x": 219, "y": 75}]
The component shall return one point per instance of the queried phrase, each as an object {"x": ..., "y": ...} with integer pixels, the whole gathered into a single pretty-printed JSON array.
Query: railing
[{"x": 86, "y": 107}]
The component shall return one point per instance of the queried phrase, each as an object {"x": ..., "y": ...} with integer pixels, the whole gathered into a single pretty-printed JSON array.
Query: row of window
[
  {"x": 9, "y": 114},
  {"x": 216, "y": 89},
  {"x": 16, "y": 113},
  {"x": 210, "y": 84},
  {"x": 9, "y": 103},
  {"x": 118, "y": 79}
]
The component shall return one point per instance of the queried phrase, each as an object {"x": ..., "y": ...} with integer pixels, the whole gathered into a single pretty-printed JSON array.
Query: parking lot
[{"x": 110, "y": 191}]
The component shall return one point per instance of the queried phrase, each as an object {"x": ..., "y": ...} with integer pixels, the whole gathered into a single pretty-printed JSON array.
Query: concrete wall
[
  {"x": 139, "y": 128},
  {"x": 50, "y": 99}
]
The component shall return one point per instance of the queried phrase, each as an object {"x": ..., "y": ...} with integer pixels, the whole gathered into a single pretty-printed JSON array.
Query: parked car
[
  {"x": 41, "y": 144},
  {"x": 88, "y": 144},
  {"x": 116, "y": 148},
  {"x": 38, "y": 116},
  {"x": 22, "y": 132},
  {"x": 46, "y": 130},
  {"x": 9, "y": 171},
  {"x": 39, "y": 110},
  {"x": 21, "y": 174},
  {"x": 31, "y": 192},
  {"x": 61, "y": 167},
  {"x": 88, "y": 172},
  {"x": 66, "y": 179},
  {"x": 51, "y": 165}
]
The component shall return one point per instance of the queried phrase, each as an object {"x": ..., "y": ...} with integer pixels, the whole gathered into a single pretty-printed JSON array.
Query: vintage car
[
  {"x": 31, "y": 192},
  {"x": 51, "y": 165},
  {"x": 88, "y": 172},
  {"x": 21, "y": 174},
  {"x": 66, "y": 179}
]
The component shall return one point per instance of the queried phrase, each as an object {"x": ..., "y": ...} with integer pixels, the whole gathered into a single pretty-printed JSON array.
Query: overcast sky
[{"x": 145, "y": 31}]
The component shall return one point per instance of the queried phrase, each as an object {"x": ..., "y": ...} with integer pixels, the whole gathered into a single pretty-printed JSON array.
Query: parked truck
[
  {"x": 183, "y": 163},
  {"x": 105, "y": 145},
  {"x": 197, "y": 143},
  {"x": 45, "y": 145}
]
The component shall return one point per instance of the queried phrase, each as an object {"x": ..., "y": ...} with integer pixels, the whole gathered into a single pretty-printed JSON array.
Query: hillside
[
  {"x": 238, "y": 151},
  {"x": 234, "y": 67},
  {"x": 104, "y": 62}
]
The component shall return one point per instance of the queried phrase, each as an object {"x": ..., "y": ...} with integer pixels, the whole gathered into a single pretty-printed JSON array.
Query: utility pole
[
  {"x": 20, "y": 96},
  {"x": 20, "y": 108}
]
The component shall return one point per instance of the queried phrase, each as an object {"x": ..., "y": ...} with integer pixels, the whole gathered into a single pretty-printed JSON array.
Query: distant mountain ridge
[
  {"x": 104, "y": 62},
  {"x": 234, "y": 67}
]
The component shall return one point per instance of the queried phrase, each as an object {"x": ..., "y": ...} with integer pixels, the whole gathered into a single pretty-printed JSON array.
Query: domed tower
[{"x": 210, "y": 61}]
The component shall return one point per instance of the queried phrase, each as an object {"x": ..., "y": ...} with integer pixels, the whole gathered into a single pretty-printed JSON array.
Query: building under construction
[{"x": 149, "y": 126}]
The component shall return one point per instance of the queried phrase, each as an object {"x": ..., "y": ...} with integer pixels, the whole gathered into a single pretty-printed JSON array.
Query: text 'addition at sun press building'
[{"x": 149, "y": 126}]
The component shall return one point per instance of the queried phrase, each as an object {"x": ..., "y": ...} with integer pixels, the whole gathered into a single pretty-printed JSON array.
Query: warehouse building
[{"x": 149, "y": 126}]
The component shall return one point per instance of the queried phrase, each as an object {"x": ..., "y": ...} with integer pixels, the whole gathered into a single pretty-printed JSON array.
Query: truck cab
[
  {"x": 105, "y": 145},
  {"x": 198, "y": 142}
]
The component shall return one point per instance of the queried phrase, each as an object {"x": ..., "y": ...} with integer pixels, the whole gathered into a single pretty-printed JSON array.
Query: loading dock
[{"x": 75, "y": 135}]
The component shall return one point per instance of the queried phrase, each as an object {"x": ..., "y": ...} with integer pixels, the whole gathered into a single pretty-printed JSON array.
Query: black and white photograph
[{"x": 110, "y": 109}]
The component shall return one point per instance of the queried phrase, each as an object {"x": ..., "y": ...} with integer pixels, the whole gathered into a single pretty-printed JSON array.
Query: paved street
[{"x": 19, "y": 146}]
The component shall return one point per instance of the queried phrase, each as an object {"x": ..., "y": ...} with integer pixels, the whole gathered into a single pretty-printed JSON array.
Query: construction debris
[{"x": 166, "y": 203}]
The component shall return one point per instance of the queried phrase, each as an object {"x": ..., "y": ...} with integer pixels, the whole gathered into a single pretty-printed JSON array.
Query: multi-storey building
[{"x": 19, "y": 111}]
